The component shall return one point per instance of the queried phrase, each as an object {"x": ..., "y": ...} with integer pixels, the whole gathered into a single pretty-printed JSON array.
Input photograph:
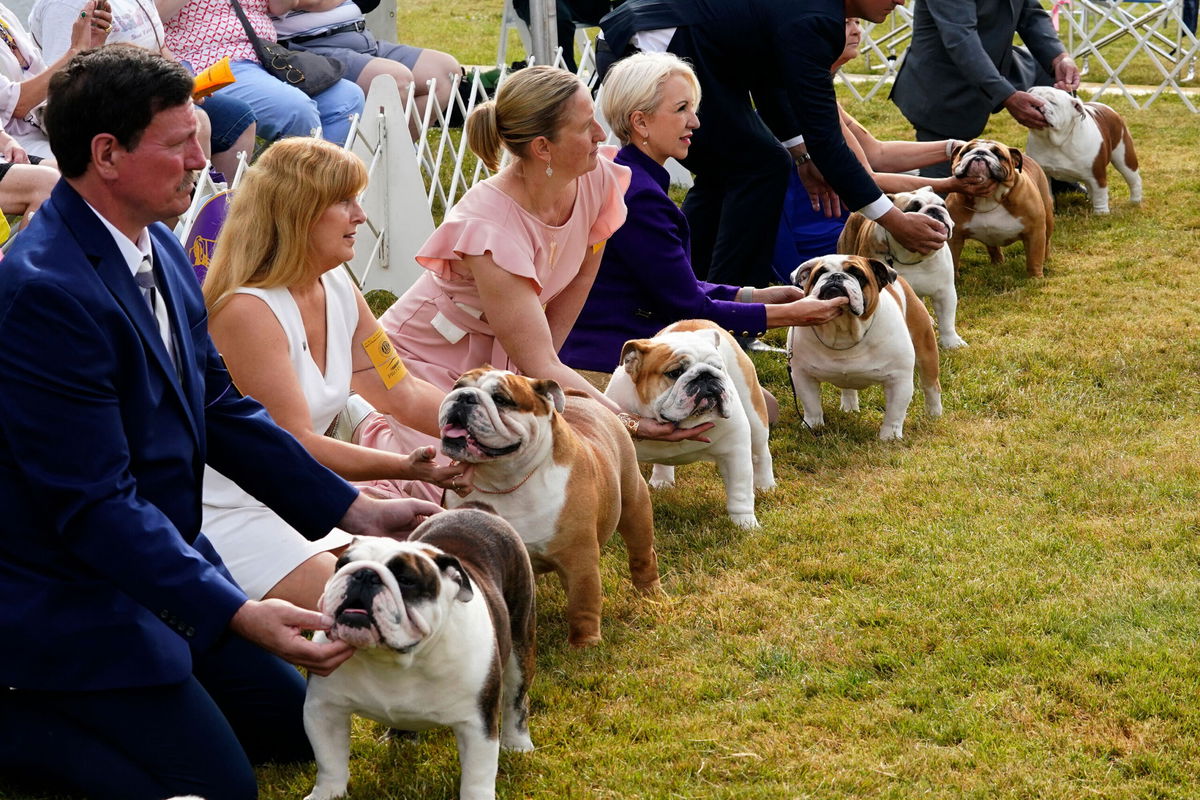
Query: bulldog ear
[
  {"x": 1077, "y": 104},
  {"x": 552, "y": 392},
  {"x": 453, "y": 570},
  {"x": 883, "y": 273},
  {"x": 956, "y": 151},
  {"x": 801, "y": 274},
  {"x": 1017, "y": 157},
  {"x": 631, "y": 355}
]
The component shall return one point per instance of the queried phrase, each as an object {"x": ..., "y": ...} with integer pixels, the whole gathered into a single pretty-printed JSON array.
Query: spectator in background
[
  {"x": 24, "y": 74},
  {"x": 23, "y": 186},
  {"x": 227, "y": 124},
  {"x": 337, "y": 28},
  {"x": 645, "y": 281},
  {"x": 201, "y": 32},
  {"x": 962, "y": 67}
]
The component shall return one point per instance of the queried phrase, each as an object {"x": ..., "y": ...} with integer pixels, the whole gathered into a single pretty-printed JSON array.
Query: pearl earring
[
  {"x": 549, "y": 170},
  {"x": 645, "y": 142}
]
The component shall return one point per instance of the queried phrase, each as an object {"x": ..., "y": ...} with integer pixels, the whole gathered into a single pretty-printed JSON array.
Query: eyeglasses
[{"x": 291, "y": 73}]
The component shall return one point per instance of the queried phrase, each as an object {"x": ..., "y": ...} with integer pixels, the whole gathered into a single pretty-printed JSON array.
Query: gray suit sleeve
[
  {"x": 1038, "y": 34},
  {"x": 957, "y": 25}
]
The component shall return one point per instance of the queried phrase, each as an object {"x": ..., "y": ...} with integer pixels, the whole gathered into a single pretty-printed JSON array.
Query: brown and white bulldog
[
  {"x": 689, "y": 373},
  {"x": 929, "y": 275},
  {"x": 883, "y": 333},
  {"x": 443, "y": 625},
  {"x": 562, "y": 470},
  {"x": 1081, "y": 141},
  {"x": 1019, "y": 205}
]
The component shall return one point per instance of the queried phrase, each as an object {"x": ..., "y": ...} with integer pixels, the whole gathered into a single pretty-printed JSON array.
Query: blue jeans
[
  {"x": 229, "y": 118},
  {"x": 284, "y": 110}
]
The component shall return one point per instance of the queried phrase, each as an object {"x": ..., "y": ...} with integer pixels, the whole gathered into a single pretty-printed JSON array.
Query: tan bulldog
[
  {"x": 692, "y": 372},
  {"x": 883, "y": 332},
  {"x": 562, "y": 470},
  {"x": 1019, "y": 206}
]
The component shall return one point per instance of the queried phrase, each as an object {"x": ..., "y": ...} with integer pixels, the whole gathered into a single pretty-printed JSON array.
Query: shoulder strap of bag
[{"x": 255, "y": 42}]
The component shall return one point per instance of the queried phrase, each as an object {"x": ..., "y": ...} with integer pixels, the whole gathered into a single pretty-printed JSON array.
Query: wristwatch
[{"x": 802, "y": 158}]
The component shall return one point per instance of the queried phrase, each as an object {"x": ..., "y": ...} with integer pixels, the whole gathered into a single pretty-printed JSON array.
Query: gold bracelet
[{"x": 631, "y": 423}]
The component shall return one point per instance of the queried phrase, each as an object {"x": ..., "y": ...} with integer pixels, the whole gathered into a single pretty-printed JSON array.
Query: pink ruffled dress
[{"x": 438, "y": 325}]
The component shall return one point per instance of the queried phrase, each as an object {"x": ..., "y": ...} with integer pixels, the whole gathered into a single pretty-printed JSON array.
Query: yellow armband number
[{"x": 383, "y": 356}]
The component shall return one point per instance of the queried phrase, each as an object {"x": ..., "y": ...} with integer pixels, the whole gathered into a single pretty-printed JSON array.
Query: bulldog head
[
  {"x": 492, "y": 413},
  {"x": 392, "y": 594},
  {"x": 680, "y": 375},
  {"x": 858, "y": 278},
  {"x": 984, "y": 159},
  {"x": 1061, "y": 110},
  {"x": 925, "y": 201}
]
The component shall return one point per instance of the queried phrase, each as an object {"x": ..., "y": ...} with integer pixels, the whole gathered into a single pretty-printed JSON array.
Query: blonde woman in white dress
[{"x": 297, "y": 335}]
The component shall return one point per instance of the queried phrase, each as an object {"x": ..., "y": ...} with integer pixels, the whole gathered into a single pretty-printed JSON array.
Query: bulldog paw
[
  {"x": 952, "y": 342},
  {"x": 765, "y": 485},
  {"x": 517, "y": 742},
  {"x": 326, "y": 793},
  {"x": 744, "y": 520},
  {"x": 891, "y": 433},
  {"x": 814, "y": 423},
  {"x": 584, "y": 640},
  {"x": 662, "y": 476},
  {"x": 654, "y": 587}
]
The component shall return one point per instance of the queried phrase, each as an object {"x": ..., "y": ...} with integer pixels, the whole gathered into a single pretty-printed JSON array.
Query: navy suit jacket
[
  {"x": 778, "y": 51},
  {"x": 961, "y": 64},
  {"x": 105, "y": 579},
  {"x": 645, "y": 281}
]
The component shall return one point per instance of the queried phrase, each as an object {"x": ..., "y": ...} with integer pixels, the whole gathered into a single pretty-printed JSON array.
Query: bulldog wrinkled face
[
  {"x": 491, "y": 413},
  {"x": 392, "y": 594},
  {"x": 1061, "y": 110},
  {"x": 925, "y": 201},
  {"x": 681, "y": 377},
  {"x": 854, "y": 277},
  {"x": 986, "y": 160}
]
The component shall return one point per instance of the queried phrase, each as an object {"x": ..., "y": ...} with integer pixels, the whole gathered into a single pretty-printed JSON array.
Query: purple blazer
[{"x": 646, "y": 281}]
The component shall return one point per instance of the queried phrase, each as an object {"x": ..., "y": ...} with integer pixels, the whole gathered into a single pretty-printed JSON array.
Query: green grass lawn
[{"x": 1005, "y": 604}]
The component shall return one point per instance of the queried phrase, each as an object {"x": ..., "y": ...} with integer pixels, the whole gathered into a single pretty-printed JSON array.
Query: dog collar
[{"x": 510, "y": 489}]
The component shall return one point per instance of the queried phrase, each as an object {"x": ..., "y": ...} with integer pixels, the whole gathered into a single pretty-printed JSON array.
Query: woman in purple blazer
[{"x": 645, "y": 281}]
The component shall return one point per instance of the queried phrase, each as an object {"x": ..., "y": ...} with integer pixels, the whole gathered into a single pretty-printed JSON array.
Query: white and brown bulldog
[
  {"x": 883, "y": 331},
  {"x": 1018, "y": 206},
  {"x": 443, "y": 625},
  {"x": 562, "y": 470},
  {"x": 689, "y": 373},
  {"x": 1081, "y": 141},
  {"x": 929, "y": 275}
]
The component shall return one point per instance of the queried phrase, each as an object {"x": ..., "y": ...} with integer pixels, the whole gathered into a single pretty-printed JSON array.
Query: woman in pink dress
[{"x": 511, "y": 265}]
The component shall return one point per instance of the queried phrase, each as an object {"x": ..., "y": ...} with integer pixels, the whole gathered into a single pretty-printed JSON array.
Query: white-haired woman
[{"x": 646, "y": 280}]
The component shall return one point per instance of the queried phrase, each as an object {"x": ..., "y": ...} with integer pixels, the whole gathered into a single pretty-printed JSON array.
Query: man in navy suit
[
  {"x": 763, "y": 67},
  {"x": 962, "y": 67},
  {"x": 133, "y": 666}
]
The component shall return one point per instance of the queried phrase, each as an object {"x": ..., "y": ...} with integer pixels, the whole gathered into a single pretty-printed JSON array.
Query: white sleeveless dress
[{"x": 258, "y": 547}]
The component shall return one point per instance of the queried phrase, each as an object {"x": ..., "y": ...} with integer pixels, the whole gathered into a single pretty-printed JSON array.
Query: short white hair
[{"x": 635, "y": 84}]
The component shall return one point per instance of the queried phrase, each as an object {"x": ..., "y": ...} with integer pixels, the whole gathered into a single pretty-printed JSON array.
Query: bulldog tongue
[{"x": 454, "y": 432}]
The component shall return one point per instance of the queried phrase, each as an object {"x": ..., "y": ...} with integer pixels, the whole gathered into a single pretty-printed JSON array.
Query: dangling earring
[
  {"x": 645, "y": 142},
  {"x": 549, "y": 170}
]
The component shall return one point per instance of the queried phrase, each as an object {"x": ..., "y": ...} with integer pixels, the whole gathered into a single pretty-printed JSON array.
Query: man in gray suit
[{"x": 962, "y": 67}]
